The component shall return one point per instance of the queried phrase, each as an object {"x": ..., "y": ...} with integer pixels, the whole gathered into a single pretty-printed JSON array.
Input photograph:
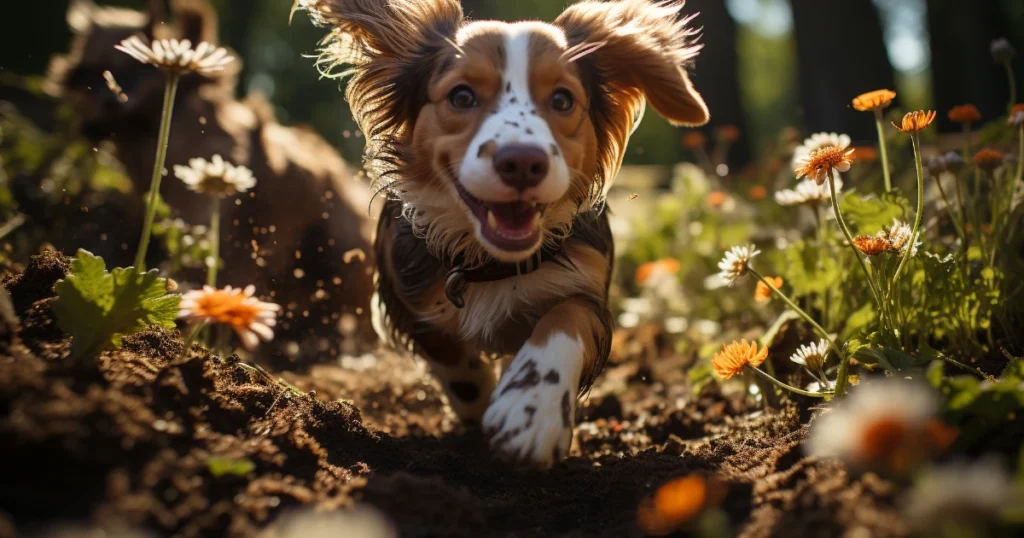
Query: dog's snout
[{"x": 521, "y": 166}]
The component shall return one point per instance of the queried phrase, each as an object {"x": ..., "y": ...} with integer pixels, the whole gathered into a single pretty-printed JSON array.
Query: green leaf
[
  {"x": 98, "y": 308},
  {"x": 222, "y": 466},
  {"x": 889, "y": 358},
  {"x": 869, "y": 214}
]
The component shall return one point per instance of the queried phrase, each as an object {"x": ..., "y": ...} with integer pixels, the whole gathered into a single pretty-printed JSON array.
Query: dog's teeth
[
  {"x": 492, "y": 221},
  {"x": 536, "y": 220}
]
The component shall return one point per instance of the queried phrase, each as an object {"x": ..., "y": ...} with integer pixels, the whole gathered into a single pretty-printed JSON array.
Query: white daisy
[
  {"x": 177, "y": 56},
  {"x": 899, "y": 237},
  {"x": 216, "y": 177},
  {"x": 960, "y": 491},
  {"x": 736, "y": 263},
  {"x": 883, "y": 423},
  {"x": 361, "y": 521},
  {"x": 252, "y": 320},
  {"x": 807, "y": 192},
  {"x": 817, "y": 141},
  {"x": 812, "y": 356}
]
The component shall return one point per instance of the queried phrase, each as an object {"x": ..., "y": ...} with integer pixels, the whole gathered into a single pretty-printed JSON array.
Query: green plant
[{"x": 98, "y": 308}]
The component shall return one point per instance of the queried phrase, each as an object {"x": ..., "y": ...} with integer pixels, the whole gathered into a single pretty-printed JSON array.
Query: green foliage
[
  {"x": 869, "y": 214},
  {"x": 811, "y": 270},
  {"x": 98, "y": 308},
  {"x": 220, "y": 466},
  {"x": 980, "y": 407}
]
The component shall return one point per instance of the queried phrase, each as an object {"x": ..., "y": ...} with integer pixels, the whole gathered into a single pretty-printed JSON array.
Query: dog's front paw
[{"x": 530, "y": 419}]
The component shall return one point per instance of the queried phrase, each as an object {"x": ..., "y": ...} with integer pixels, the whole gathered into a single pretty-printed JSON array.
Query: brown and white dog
[{"x": 496, "y": 144}]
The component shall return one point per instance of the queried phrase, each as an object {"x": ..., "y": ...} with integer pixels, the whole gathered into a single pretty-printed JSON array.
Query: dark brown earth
[{"x": 129, "y": 440}]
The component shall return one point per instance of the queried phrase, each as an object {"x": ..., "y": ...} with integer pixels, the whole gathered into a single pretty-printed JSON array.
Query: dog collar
[{"x": 458, "y": 278}]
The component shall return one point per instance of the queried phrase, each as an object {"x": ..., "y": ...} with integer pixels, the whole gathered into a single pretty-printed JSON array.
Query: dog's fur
[
  {"x": 459, "y": 287},
  {"x": 290, "y": 234}
]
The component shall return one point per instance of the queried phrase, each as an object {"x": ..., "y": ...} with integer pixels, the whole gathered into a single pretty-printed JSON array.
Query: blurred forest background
[{"x": 767, "y": 65}]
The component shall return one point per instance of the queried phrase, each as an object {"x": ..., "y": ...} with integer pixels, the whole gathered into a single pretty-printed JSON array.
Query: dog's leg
[
  {"x": 532, "y": 411},
  {"x": 466, "y": 377}
]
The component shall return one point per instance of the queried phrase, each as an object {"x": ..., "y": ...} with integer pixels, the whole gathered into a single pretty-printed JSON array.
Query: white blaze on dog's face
[
  {"x": 507, "y": 127},
  {"x": 494, "y": 135}
]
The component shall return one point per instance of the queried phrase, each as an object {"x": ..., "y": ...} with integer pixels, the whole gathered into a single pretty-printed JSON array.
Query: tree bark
[{"x": 841, "y": 53}]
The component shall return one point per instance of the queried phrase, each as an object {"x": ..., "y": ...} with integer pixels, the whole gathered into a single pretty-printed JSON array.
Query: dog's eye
[
  {"x": 462, "y": 97},
  {"x": 562, "y": 101}
]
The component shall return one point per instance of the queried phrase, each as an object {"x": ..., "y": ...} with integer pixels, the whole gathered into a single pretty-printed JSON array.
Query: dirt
[{"x": 129, "y": 440}]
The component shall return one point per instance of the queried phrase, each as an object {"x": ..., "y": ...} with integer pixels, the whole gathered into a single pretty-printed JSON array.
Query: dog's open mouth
[{"x": 510, "y": 226}]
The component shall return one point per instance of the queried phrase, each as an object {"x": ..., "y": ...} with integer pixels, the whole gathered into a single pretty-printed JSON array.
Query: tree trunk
[
  {"x": 841, "y": 53},
  {"x": 716, "y": 75},
  {"x": 962, "y": 67}
]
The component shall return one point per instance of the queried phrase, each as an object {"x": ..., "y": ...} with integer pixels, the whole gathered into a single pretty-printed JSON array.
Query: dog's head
[
  {"x": 494, "y": 135},
  {"x": 78, "y": 75}
]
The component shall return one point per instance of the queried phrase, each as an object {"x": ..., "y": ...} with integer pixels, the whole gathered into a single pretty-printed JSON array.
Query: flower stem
[
  {"x": 786, "y": 386},
  {"x": 849, "y": 237},
  {"x": 1020, "y": 156},
  {"x": 965, "y": 367},
  {"x": 909, "y": 251},
  {"x": 1013, "y": 84},
  {"x": 158, "y": 169},
  {"x": 214, "y": 259},
  {"x": 883, "y": 149},
  {"x": 191, "y": 340},
  {"x": 797, "y": 309},
  {"x": 949, "y": 209}
]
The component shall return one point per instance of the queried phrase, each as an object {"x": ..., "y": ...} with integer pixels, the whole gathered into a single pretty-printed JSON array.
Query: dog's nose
[{"x": 521, "y": 166}]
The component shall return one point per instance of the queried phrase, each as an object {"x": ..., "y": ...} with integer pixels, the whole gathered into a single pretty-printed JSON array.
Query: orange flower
[
  {"x": 675, "y": 503},
  {"x": 893, "y": 443},
  {"x": 646, "y": 270},
  {"x": 757, "y": 192},
  {"x": 821, "y": 160},
  {"x": 872, "y": 245},
  {"x": 717, "y": 198},
  {"x": 875, "y": 100},
  {"x": 865, "y": 153},
  {"x": 736, "y": 356},
  {"x": 763, "y": 293},
  {"x": 1016, "y": 115},
  {"x": 253, "y": 320},
  {"x": 965, "y": 114},
  {"x": 730, "y": 133},
  {"x": 694, "y": 140},
  {"x": 915, "y": 122},
  {"x": 989, "y": 159}
]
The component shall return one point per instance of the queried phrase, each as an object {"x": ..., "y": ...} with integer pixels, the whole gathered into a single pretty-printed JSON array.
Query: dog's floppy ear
[
  {"x": 390, "y": 48},
  {"x": 639, "y": 48}
]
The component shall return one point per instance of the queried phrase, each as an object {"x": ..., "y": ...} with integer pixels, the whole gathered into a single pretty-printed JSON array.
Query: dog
[
  {"x": 496, "y": 144},
  {"x": 302, "y": 235}
]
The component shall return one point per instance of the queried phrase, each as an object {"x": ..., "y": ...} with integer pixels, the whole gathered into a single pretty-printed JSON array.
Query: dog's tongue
[{"x": 514, "y": 218}]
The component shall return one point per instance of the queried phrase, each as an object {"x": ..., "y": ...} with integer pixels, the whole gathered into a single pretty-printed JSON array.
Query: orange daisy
[
  {"x": 694, "y": 140},
  {"x": 875, "y": 100},
  {"x": 757, "y": 192},
  {"x": 730, "y": 133},
  {"x": 763, "y": 293},
  {"x": 734, "y": 357},
  {"x": 675, "y": 503},
  {"x": 717, "y": 199},
  {"x": 865, "y": 153},
  {"x": 253, "y": 320},
  {"x": 989, "y": 159},
  {"x": 872, "y": 245},
  {"x": 964, "y": 114},
  {"x": 816, "y": 165},
  {"x": 646, "y": 270},
  {"x": 915, "y": 122}
]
